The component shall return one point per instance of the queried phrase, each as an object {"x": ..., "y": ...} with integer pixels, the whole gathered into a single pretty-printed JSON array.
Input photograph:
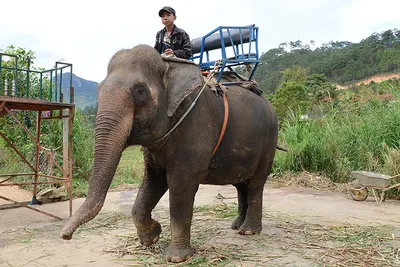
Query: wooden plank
[
  {"x": 2, "y": 112},
  {"x": 33, "y": 104}
]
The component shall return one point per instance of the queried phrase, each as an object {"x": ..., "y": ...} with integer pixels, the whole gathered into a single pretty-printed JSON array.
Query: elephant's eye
[{"x": 141, "y": 95}]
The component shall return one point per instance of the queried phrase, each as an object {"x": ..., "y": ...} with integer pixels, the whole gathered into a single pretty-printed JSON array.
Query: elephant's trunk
[{"x": 112, "y": 130}]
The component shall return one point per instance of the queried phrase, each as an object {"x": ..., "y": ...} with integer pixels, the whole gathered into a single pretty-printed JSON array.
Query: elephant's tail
[{"x": 281, "y": 148}]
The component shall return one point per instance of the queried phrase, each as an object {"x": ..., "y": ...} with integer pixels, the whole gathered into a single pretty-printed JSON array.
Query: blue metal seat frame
[{"x": 245, "y": 50}]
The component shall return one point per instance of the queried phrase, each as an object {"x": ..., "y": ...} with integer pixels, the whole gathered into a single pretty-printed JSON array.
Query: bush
[{"x": 365, "y": 136}]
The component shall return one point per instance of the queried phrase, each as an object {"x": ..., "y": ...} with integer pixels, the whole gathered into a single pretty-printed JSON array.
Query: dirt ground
[
  {"x": 301, "y": 227},
  {"x": 376, "y": 78}
]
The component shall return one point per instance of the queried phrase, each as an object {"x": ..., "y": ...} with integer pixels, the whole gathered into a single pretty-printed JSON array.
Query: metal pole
[
  {"x": 66, "y": 150},
  {"x": 5, "y": 88},
  {"x": 27, "y": 78},
  {"x": 41, "y": 85},
  {"x": 51, "y": 85},
  {"x": 13, "y": 88},
  {"x": 1, "y": 80},
  {"x": 71, "y": 92},
  {"x": 61, "y": 72},
  {"x": 72, "y": 96},
  {"x": 21, "y": 205},
  {"x": 15, "y": 77},
  {"x": 13, "y": 68},
  {"x": 36, "y": 176},
  {"x": 70, "y": 122},
  {"x": 55, "y": 87}
]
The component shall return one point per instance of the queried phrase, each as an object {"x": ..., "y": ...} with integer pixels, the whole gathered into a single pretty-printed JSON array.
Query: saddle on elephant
[{"x": 228, "y": 78}]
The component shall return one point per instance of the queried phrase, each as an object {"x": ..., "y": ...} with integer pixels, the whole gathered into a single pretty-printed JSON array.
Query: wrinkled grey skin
[{"x": 141, "y": 98}]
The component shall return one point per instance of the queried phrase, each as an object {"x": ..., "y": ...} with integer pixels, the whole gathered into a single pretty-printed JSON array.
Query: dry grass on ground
[
  {"x": 285, "y": 241},
  {"x": 309, "y": 180}
]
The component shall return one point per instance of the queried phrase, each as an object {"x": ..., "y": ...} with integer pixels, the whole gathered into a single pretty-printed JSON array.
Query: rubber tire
[{"x": 359, "y": 193}]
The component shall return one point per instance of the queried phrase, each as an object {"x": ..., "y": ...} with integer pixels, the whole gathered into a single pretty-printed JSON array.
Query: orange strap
[{"x": 221, "y": 135}]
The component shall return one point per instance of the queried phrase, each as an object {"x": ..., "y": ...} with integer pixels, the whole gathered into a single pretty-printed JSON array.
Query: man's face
[{"x": 167, "y": 18}]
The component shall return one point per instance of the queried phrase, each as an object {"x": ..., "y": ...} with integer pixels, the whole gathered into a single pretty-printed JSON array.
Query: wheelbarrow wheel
[{"x": 359, "y": 193}]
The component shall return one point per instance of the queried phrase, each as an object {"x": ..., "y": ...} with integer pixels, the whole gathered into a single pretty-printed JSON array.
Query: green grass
[
  {"x": 79, "y": 188},
  {"x": 129, "y": 173},
  {"x": 202, "y": 208},
  {"x": 340, "y": 142},
  {"x": 130, "y": 168},
  {"x": 359, "y": 132}
]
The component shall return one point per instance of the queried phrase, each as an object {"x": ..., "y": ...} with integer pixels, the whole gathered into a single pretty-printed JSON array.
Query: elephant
[{"x": 142, "y": 97}]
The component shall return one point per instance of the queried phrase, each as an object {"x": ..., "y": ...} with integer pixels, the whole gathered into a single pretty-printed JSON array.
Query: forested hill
[
  {"x": 340, "y": 61},
  {"x": 85, "y": 90}
]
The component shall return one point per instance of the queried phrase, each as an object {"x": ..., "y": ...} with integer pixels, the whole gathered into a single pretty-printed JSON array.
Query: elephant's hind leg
[
  {"x": 152, "y": 189},
  {"x": 242, "y": 206},
  {"x": 255, "y": 188}
]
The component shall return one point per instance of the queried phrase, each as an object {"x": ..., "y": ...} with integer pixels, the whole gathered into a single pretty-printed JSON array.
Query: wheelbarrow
[{"x": 379, "y": 184}]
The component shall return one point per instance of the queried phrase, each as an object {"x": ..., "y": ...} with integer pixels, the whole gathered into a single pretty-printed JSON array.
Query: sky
[{"x": 87, "y": 33}]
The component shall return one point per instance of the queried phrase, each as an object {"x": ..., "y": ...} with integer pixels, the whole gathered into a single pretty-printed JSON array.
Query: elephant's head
[{"x": 136, "y": 101}]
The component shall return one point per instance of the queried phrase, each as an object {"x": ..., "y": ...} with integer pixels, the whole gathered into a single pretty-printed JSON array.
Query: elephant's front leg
[
  {"x": 181, "y": 199},
  {"x": 152, "y": 189}
]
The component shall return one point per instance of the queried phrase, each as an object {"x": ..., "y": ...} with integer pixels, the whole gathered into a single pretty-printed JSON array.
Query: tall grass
[
  {"x": 129, "y": 172},
  {"x": 354, "y": 135},
  {"x": 83, "y": 146},
  {"x": 130, "y": 169},
  {"x": 10, "y": 161}
]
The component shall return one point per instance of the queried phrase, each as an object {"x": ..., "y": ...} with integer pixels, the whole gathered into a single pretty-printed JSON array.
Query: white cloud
[{"x": 87, "y": 33}]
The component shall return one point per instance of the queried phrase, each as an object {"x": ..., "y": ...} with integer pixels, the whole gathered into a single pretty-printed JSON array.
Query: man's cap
[{"x": 167, "y": 9}]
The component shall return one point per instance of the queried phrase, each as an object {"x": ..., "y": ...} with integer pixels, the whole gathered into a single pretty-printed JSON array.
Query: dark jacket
[{"x": 180, "y": 42}]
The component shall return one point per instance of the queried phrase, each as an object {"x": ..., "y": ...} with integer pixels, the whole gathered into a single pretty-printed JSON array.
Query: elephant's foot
[
  {"x": 238, "y": 222},
  {"x": 174, "y": 254},
  {"x": 149, "y": 235},
  {"x": 250, "y": 228}
]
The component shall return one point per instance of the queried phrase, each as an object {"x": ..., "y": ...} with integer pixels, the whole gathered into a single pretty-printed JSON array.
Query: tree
[
  {"x": 339, "y": 61},
  {"x": 300, "y": 92},
  {"x": 25, "y": 62},
  {"x": 290, "y": 96},
  {"x": 318, "y": 87},
  {"x": 295, "y": 74}
]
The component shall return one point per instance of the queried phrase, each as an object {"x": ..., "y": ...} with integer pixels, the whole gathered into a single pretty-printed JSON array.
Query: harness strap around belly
[{"x": 226, "y": 113}]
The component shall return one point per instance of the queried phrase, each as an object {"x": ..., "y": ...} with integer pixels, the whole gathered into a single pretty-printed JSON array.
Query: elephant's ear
[{"x": 180, "y": 79}]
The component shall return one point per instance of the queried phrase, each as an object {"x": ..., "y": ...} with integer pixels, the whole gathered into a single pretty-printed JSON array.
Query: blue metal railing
[
  {"x": 242, "y": 39},
  {"x": 14, "y": 86}
]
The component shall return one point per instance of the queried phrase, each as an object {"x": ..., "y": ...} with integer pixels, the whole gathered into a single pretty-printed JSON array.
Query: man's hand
[{"x": 169, "y": 52}]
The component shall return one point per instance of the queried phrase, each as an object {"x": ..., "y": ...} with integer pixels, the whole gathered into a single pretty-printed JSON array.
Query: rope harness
[
  {"x": 226, "y": 108},
  {"x": 187, "y": 111}
]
